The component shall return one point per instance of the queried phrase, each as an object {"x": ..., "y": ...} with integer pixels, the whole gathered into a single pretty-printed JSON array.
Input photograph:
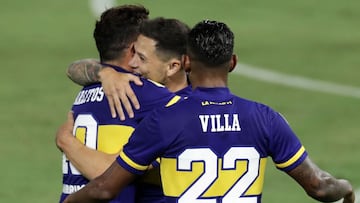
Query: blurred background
[{"x": 300, "y": 57}]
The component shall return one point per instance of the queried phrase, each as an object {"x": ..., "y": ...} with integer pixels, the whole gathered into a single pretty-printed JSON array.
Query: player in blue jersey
[
  {"x": 214, "y": 145},
  {"x": 92, "y": 119},
  {"x": 156, "y": 45},
  {"x": 94, "y": 126},
  {"x": 91, "y": 163}
]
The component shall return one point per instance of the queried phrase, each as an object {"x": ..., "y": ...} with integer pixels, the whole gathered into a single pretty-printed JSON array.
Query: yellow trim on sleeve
[
  {"x": 131, "y": 163},
  {"x": 292, "y": 159}
]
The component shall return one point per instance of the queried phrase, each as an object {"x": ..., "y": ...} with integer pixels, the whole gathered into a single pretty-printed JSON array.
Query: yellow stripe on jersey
[
  {"x": 177, "y": 182},
  {"x": 131, "y": 163},
  {"x": 257, "y": 186},
  {"x": 80, "y": 134},
  {"x": 292, "y": 159},
  {"x": 112, "y": 138},
  {"x": 173, "y": 101}
]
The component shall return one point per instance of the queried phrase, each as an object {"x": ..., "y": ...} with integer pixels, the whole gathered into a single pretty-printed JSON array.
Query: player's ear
[
  {"x": 174, "y": 66},
  {"x": 233, "y": 62},
  {"x": 132, "y": 48},
  {"x": 185, "y": 63}
]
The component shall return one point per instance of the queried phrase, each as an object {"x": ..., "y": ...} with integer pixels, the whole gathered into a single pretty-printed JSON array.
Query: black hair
[
  {"x": 170, "y": 36},
  {"x": 117, "y": 28},
  {"x": 211, "y": 43}
]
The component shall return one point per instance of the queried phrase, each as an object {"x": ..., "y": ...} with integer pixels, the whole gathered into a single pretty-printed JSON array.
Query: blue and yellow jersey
[
  {"x": 213, "y": 146},
  {"x": 95, "y": 127}
]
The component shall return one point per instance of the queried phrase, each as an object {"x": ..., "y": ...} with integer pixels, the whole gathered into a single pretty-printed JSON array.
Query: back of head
[
  {"x": 211, "y": 43},
  {"x": 117, "y": 28},
  {"x": 170, "y": 36}
]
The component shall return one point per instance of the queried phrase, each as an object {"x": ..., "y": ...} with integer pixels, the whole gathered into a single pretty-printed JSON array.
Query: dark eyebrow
[
  {"x": 141, "y": 54},
  {"x": 138, "y": 53}
]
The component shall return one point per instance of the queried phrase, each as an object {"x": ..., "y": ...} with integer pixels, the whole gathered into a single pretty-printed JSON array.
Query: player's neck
[
  {"x": 177, "y": 82},
  {"x": 120, "y": 63},
  {"x": 209, "y": 78},
  {"x": 123, "y": 60}
]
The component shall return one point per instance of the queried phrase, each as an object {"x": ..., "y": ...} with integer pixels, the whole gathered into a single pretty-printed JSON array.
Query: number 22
[{"x": 206, "y": 155}]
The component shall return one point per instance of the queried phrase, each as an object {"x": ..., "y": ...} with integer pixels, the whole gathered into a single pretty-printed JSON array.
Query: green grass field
[{"x": 313, "y": 39}]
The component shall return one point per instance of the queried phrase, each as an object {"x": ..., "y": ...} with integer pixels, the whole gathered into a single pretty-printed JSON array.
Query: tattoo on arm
[
  {"x": 319, "y": 184},
  {"x": 84, "y": 72}
]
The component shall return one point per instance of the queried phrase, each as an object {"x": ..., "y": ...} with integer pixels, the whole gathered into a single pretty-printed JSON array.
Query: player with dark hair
[
  {"x": 99, "y": 137},
  {"x": 162, "y": 39},
  {"x": 168, "y": 35},
  {"x": 213, "y": 145}
]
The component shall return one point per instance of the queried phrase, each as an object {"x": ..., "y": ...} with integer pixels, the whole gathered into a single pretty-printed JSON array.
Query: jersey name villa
[{"x": 219, "y": 123}]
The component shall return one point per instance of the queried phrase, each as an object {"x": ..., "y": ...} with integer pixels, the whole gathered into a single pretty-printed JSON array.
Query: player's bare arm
[
  {"x": 320, "y": 185},
  {"x": 89, "y": 162},
  {"x": 116, "y": 85},
  {"x": 84, "y": 72},
  {"x": 104, "y": 187}
]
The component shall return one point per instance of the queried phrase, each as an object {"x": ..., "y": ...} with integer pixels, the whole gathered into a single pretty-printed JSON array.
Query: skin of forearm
[
  {"x": 90, "y": 194},
  {"x": 319, "y": 184},
  {"x": 89, "y": 162},
  {"x": 332, "y": 189},
  {"x": 104, "y": 187},
  {"x": 84, "y": 72}
]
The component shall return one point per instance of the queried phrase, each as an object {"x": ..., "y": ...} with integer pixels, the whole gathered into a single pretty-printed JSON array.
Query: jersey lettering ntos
[
  {"x": 213, "y": 147},
  {"x": 95, "y": 127}
]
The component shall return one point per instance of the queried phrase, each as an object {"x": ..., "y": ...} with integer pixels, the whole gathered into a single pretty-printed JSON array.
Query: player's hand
[
  {"x": 64, "y": 132},
  {"x": 118, "y": 91},
  {"x": 350, "y": 198}
]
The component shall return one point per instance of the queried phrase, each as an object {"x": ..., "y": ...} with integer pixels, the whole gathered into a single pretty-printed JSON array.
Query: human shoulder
[
  {"x": 256, "y": 109},
  {"x": 150, "y": 87},
  {"x": 152, "y": 95}
]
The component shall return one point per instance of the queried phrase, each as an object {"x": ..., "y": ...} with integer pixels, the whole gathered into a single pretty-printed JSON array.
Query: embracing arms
[
  {"x": 89, "y": 162},
  {"x": 116, "y": 85},
  {"x": 84, "y": 72},
  {"x": 104, "y": 187}
]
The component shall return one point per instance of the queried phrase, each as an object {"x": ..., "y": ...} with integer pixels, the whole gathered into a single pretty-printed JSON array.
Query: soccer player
[
  {"x": 116, "y": 85},
  {"x": 213, "y": 145},
  {"x": 115, "y": 35}
]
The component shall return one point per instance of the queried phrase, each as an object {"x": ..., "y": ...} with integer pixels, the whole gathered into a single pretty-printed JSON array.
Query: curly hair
[
  {"x": 211, "y": 42},
  {"x": 117, "y": 28}
]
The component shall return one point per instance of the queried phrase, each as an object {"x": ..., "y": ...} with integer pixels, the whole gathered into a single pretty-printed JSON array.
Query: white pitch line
[
  {"x": 99, "y": 6},
  {"x": 297, "y": 81}
]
